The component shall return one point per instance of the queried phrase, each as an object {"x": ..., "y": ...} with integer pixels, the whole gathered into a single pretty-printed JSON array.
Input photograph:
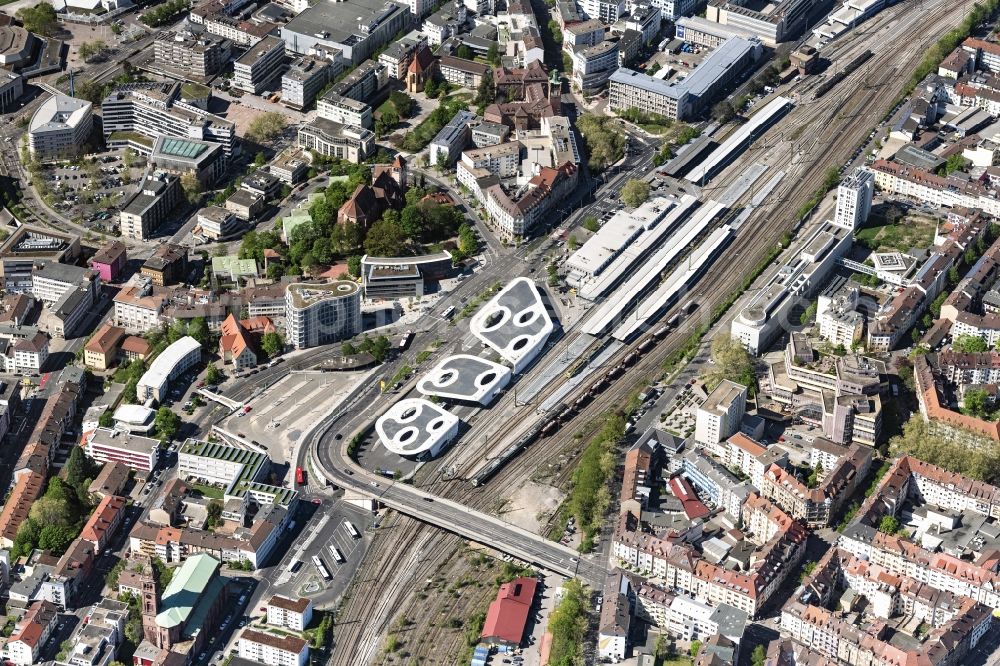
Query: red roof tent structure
[
  {"x": 685, "y": 493},
  {"x": 508, "y": 613}
]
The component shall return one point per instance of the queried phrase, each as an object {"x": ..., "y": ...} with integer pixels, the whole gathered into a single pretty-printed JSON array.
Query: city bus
[
  {"x": 448, "y": 313},
  {"x": 322, "y": 567},
  {"x": 295, "y": 566},
  {"x": 337, "y": 557},
  {"x": 349, "y": 526}
]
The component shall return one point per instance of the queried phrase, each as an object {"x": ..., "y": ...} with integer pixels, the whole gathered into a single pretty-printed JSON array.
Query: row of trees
[
  {"x": 590, "y": 497},
  {"x": 164, "y": 13}
]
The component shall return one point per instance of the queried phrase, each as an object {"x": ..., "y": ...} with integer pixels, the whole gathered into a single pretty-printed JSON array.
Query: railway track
[{"x": 845, "y": 124}]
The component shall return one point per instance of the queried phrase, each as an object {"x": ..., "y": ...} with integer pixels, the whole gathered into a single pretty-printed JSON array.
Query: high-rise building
[
  {"x": 316, "y": 314},
  {"x": 719, "y": 416},
  {"x": 854, "y": 199},
  {"x": 60, "y": 127}
]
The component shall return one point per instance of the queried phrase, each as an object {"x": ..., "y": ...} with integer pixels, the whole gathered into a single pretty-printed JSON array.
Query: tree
[
  {"x": 604, "y": 140},
  {"x": 591, "y": 223},
  {"x": 431, "y": 88},
  {"x": 107, "y": 420},
  {"x": 889, "y": 525},
  {"x": 78, "y": 468},
  {"x": 695, "y": 647},
  {"x": 56, "y": 538},
  {"x": 191, "y": 187},
  {"x": 969, "y": 344},
  {"x": 974, "y": 403},
  {"x": 354, "y": 265},
  {"x": 178, "y": 329},
  {"x": 635, "y": 192},
  {"x": 385, "y": 239},
  {"x": 758, "y": 656},
  {"x": 259, "y": 159},
  {"x": 198, "y": 329},
  {"x": 49, "y": 511},
  {"x": 485, "y": 94},
  {"x": 917, "y": 439},
  {"x": 348, "y": 349},
  {"x": 464, "y": 52},
  {"x": 808, "y": 315},
  {"x": 90, "y": 50},
  {"x": 40, "y": 19},
  {"x": 272, "y": 344},
  {"x": 732, "y": 362},
  {"x": 266, "y": 126},
  {"x": 214, "y": 512},
  {"x": 493, "y": 54},
  {"x": 167, "y": 423},
  {"x": 955, "y": 162},
  {"x": 724, "y": 111},
  {"x": 213, "y": 375}
]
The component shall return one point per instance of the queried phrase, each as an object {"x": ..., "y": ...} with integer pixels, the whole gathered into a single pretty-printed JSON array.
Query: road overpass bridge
[{"x": 328, "y": 460}]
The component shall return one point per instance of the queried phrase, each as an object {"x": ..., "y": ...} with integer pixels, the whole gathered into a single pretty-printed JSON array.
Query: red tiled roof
[
  {"x": 693, "y": 506},
  {"x": 508, "y": 613}
]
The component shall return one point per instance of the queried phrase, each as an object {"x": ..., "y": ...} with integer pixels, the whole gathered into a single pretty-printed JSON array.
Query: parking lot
[{"x": 91, "y": 191}]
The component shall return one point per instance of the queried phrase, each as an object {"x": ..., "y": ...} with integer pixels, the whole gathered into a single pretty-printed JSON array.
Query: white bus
[
  {"x": 448, "y": 313},
  {"x": 337, "y": 557},
  {"x": 295, "y": 566},
  {"x": 349, "y": 526},
  {"x": 322, "y": 567}
]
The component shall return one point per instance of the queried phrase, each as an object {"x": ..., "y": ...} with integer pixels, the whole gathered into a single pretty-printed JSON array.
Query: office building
[
  {"x": 593, "y": 65},
  {"x": 256, "y": 68},
  {"x": 352, "y": 143},
  {"x": 155, "y": 109},
  {"x": 167, "y": 265},
  {"x": 606, "y": 11},
  {"x": 717, "y": 74},
  {"x": 363, "y": 82},
  {"x": 217, "y": 223},
  {"x": 109, "y": 261},
  {"x": 452, "y": 139},
  {"x": 133, "y": 451},
  {"x": 290, "y": 167},
  {"x": 718, "y": 418},
  {"x": 101, "y": 350},
  {"x": 60, "y": 127},
  {"x": 199, "y": 56},
  {"x": 11, "y": 89},
  {"x": 143, "y": 213},
  {"x": 317, "y": 314},
  {"x": 772, "y": 23},
  {"x": 461, "y": 72},
  {"x": 305, "y": 77},
  {"x": 219, "y": 464},
  {"x": 344, "y": 110},
  {"x": 357, "y": 28},
  {"x": 172, "y": 362},
  {"x": 203, "y": 159}
]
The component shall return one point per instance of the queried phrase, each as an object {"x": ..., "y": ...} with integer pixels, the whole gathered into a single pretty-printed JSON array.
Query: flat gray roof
[{"x": 339, "y": 20}]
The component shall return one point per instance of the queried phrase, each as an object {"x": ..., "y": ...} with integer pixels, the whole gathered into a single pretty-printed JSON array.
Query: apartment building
[
  {"x": 294, "y": 614},
  {"x": 461, "y": 72},
  {"x": 134, "y": 451},
  {"x": 854, "y": 199},
  {"x": 267, "y": 648}
]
